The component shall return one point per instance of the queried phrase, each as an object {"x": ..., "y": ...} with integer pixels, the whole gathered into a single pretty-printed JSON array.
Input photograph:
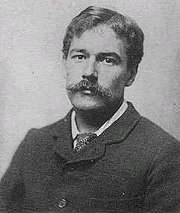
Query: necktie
[{"x": 83, "y": 140}]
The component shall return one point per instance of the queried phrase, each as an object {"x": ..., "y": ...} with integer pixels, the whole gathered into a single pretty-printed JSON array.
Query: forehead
[{"x": 99, "y": 39}]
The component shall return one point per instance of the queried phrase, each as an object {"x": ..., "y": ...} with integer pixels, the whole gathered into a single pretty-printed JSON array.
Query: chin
[
  {"x": 85, "y": 103},
  {"x": 88, "y": 105}
]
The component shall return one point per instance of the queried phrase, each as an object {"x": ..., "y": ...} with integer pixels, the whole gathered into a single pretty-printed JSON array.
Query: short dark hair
[{"x": 124, "y": 27}]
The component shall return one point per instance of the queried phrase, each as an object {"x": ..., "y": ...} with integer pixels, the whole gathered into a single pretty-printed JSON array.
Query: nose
[{"x": 90, "y": 72}]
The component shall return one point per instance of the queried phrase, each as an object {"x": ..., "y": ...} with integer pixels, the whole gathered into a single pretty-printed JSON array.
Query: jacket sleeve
[
  {"x": 163, "y": 191},
  {"x": 11, "y": 185}
]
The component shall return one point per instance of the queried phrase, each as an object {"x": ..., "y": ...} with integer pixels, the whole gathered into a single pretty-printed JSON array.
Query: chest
[{"x": 113, "y": 180}]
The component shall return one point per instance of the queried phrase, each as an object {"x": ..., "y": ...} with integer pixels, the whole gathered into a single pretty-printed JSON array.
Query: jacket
[{"x": 133, "y": 166}]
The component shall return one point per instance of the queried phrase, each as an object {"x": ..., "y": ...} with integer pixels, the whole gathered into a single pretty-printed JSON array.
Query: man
[{"x": 103, "y": 156}]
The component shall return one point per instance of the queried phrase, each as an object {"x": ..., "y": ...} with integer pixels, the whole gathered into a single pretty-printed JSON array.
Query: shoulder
[
  {"x": 51, "y": 129},
  {"x": 152, "y": 131},
  {"x": 153, "y": 138},
  {"x": 147, "y": 137},
  {"x": 46, "y": 130},
  {"x": 146, "y": 132},
  {"x": 41, "y": 139}
]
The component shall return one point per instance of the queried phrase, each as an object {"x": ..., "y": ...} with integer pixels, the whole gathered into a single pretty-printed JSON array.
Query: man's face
[{"x": 96, "y": 70}]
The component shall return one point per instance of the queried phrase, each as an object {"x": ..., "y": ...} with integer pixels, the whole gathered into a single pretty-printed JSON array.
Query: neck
[{"x": 92, "y": 120}]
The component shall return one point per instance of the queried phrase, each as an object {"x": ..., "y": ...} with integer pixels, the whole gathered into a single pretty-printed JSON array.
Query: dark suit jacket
[{"x": 134, "y": 166}]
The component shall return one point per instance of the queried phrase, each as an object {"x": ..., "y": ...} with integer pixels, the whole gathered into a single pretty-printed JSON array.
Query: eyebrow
[{"x": 78, "y": 50}]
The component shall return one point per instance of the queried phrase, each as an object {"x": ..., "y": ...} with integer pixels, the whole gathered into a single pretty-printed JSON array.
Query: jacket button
[{"x": 62, "y": 203}]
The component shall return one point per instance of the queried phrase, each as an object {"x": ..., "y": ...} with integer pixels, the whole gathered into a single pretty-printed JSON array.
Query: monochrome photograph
[{"x": 90, "y": 116}]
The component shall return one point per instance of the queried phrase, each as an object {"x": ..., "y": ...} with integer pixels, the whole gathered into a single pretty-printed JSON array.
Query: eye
[
  {"x": 108, "y": 61},
  {"x": 78, "y": 57}
]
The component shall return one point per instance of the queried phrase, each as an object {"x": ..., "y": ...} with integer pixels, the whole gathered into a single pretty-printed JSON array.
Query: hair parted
[{"x": 124, "y": 27}]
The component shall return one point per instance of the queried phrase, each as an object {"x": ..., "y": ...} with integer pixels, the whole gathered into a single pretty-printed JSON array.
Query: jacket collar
[{"x": 116, "y": 133}]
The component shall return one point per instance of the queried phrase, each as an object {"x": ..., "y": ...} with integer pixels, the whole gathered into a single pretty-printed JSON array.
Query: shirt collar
[{"x": 108, "y": 123}]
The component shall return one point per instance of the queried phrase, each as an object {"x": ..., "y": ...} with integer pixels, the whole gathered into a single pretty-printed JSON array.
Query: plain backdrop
[{"x": 32, "y": 90}]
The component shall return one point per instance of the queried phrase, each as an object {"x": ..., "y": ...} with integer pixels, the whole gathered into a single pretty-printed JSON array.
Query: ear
[
  {"x": 131, "y": 75},
  {"x": 64, "y": 68}
]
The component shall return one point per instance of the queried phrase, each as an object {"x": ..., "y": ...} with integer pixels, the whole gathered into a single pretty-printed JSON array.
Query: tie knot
[{"x": 83, "y": 140}]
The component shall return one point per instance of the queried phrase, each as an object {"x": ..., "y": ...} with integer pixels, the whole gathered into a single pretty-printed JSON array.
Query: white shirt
[{"x": 108, "y": 123}]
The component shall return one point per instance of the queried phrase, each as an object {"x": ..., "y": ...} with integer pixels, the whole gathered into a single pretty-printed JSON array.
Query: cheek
[
  {"x": 75, "y": 70},
  {"x": 73, "y": 74},
  {"x": 118, "y": 85},
  {"x": 113, "y": 79}
]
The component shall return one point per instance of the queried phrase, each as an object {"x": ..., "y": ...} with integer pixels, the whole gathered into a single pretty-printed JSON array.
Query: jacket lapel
[
  {"x": 122, "y": 127},
  {"x": 116, "y": 133},
  {"x": 63, "y": 142}
]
